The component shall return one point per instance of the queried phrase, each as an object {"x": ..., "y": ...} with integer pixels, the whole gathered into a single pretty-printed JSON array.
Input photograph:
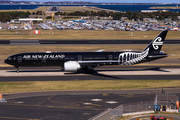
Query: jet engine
[{"x": 71, "y": 66}]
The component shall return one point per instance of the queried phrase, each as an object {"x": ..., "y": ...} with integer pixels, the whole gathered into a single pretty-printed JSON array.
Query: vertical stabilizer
[{"x": 156, "y": 44}]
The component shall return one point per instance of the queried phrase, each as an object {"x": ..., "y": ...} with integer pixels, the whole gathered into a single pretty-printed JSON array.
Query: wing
[
  {"x": 98, "y": 63},
  {"x": 100, "y": 50}
]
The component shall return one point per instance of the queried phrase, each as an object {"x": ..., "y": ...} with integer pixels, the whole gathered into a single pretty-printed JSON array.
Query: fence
[
  {"x": 109, "y": 114},
  {"x": 164, "y": 99},
  {"x": 116, "y": 112},
  {"x": 168, "y": 100},
  {"x": 105, "y": 115},
  {"x": 138, "y": 107}
]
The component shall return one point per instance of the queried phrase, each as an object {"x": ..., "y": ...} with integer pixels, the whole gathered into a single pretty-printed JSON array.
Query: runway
[
  {"x": 80, "y": 42},
  {"x": 101, "y": 73}
]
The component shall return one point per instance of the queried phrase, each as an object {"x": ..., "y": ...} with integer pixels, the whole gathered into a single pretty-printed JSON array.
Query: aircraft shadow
[
  {"x": 148, "y": 69},
  {"x": 94, "y": 73},
  {"x": 23, "y": 71}
]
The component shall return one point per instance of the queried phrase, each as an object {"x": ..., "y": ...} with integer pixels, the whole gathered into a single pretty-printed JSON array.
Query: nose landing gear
[{"x": 17, "y": 68}]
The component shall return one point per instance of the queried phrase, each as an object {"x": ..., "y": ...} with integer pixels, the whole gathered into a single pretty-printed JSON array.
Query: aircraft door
[
  {"x": 43, "y": 60},
  {"x": 19, "y": 59},
  {"x": 110, "y": 57},
  {"x": 80, "y": 58},
  {"x": 121, "y": 59}
]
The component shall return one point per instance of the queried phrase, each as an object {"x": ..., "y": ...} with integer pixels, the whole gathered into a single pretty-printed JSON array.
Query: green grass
[
  {"x": 164, "y": 7},
  {"x": 83, "y": 8},
  {"x": 63, "y": 9},
  {"x": 30, "y": 86},
  {"x": 90, "y": 34}
]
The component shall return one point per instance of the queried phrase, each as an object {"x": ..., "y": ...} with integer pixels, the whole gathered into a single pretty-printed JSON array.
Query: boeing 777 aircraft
[{"x": 73, "y": 61}]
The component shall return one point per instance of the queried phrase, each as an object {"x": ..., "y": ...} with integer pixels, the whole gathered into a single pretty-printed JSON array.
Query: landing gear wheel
[
  {"x": 88, "y": 71},
  {"x": 17, "y": 68}
]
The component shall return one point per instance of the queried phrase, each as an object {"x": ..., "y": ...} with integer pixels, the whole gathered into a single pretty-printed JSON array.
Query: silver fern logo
[
  {"x": 130, "y": 58},
  {"x": 157, "y": 42}
]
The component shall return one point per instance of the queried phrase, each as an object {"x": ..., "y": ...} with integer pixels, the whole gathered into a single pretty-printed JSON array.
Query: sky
[{"x": 118, "y": 1}]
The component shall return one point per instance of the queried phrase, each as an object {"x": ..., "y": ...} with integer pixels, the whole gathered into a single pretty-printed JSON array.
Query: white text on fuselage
[{"x": 44, "y": 56}]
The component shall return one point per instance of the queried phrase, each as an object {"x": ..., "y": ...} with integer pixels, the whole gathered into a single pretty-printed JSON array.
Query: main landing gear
[
  {"x": 89, "y": 69},
  {"x": 17, "y": 68}
]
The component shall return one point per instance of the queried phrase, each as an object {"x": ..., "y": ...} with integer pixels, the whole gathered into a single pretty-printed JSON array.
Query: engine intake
[{"x": 71, "y": 66}]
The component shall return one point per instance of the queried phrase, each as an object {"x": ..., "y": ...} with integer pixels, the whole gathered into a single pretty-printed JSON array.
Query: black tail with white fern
[{"x": 156, "y": 44}]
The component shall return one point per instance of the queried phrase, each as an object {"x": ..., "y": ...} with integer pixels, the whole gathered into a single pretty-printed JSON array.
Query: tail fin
[{"x": 156, "y": 44}]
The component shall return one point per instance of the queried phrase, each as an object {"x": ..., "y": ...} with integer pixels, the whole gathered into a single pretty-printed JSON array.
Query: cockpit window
[{"x": 9, "y": 58}]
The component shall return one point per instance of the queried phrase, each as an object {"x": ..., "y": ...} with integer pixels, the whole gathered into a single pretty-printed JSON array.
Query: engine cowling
[{"x": 71, "y": 66}]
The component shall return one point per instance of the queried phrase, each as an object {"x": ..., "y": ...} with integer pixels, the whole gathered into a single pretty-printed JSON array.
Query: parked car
[{"x": 157, "y": 118}]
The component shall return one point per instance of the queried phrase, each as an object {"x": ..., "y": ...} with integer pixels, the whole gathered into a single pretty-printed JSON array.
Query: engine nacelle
[{"x": 71, "y": 66}]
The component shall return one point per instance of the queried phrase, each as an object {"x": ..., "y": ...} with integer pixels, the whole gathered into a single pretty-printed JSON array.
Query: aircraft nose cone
[{"x": 6, "y": 61}]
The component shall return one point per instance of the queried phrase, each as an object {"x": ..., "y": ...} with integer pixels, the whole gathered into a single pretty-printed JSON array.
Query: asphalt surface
[
  {"x": 101, "y": 73},
  {"x": 90, "y": 77},
  {"x": 89, "y": 92},
  {"x": 66, "y": 107},
  {"x": 53, "y": 9},
  {"x": 58, "y": 42},
  {"x": 77, "y": 105}
]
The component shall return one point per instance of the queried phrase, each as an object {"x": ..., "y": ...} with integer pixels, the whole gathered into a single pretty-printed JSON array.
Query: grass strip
[
  {"x": 67, "y": 9},
  {"x": 90, "y": 34},
  {"x": 32, "y": 86},
  {"x": 83, "y": 8},
  {"x": 165, "y": 7}
]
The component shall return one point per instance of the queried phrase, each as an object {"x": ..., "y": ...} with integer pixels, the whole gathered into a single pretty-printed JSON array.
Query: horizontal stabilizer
[
  {"x": 100, "y": 50},
  {"x": 158, "y": 56}
]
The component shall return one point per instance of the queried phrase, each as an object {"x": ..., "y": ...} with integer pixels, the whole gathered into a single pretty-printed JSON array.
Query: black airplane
[{"x": 73, "y": 61}]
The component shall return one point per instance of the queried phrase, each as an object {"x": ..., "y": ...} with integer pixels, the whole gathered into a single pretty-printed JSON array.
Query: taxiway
[{"x": 74, "y": 105}]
